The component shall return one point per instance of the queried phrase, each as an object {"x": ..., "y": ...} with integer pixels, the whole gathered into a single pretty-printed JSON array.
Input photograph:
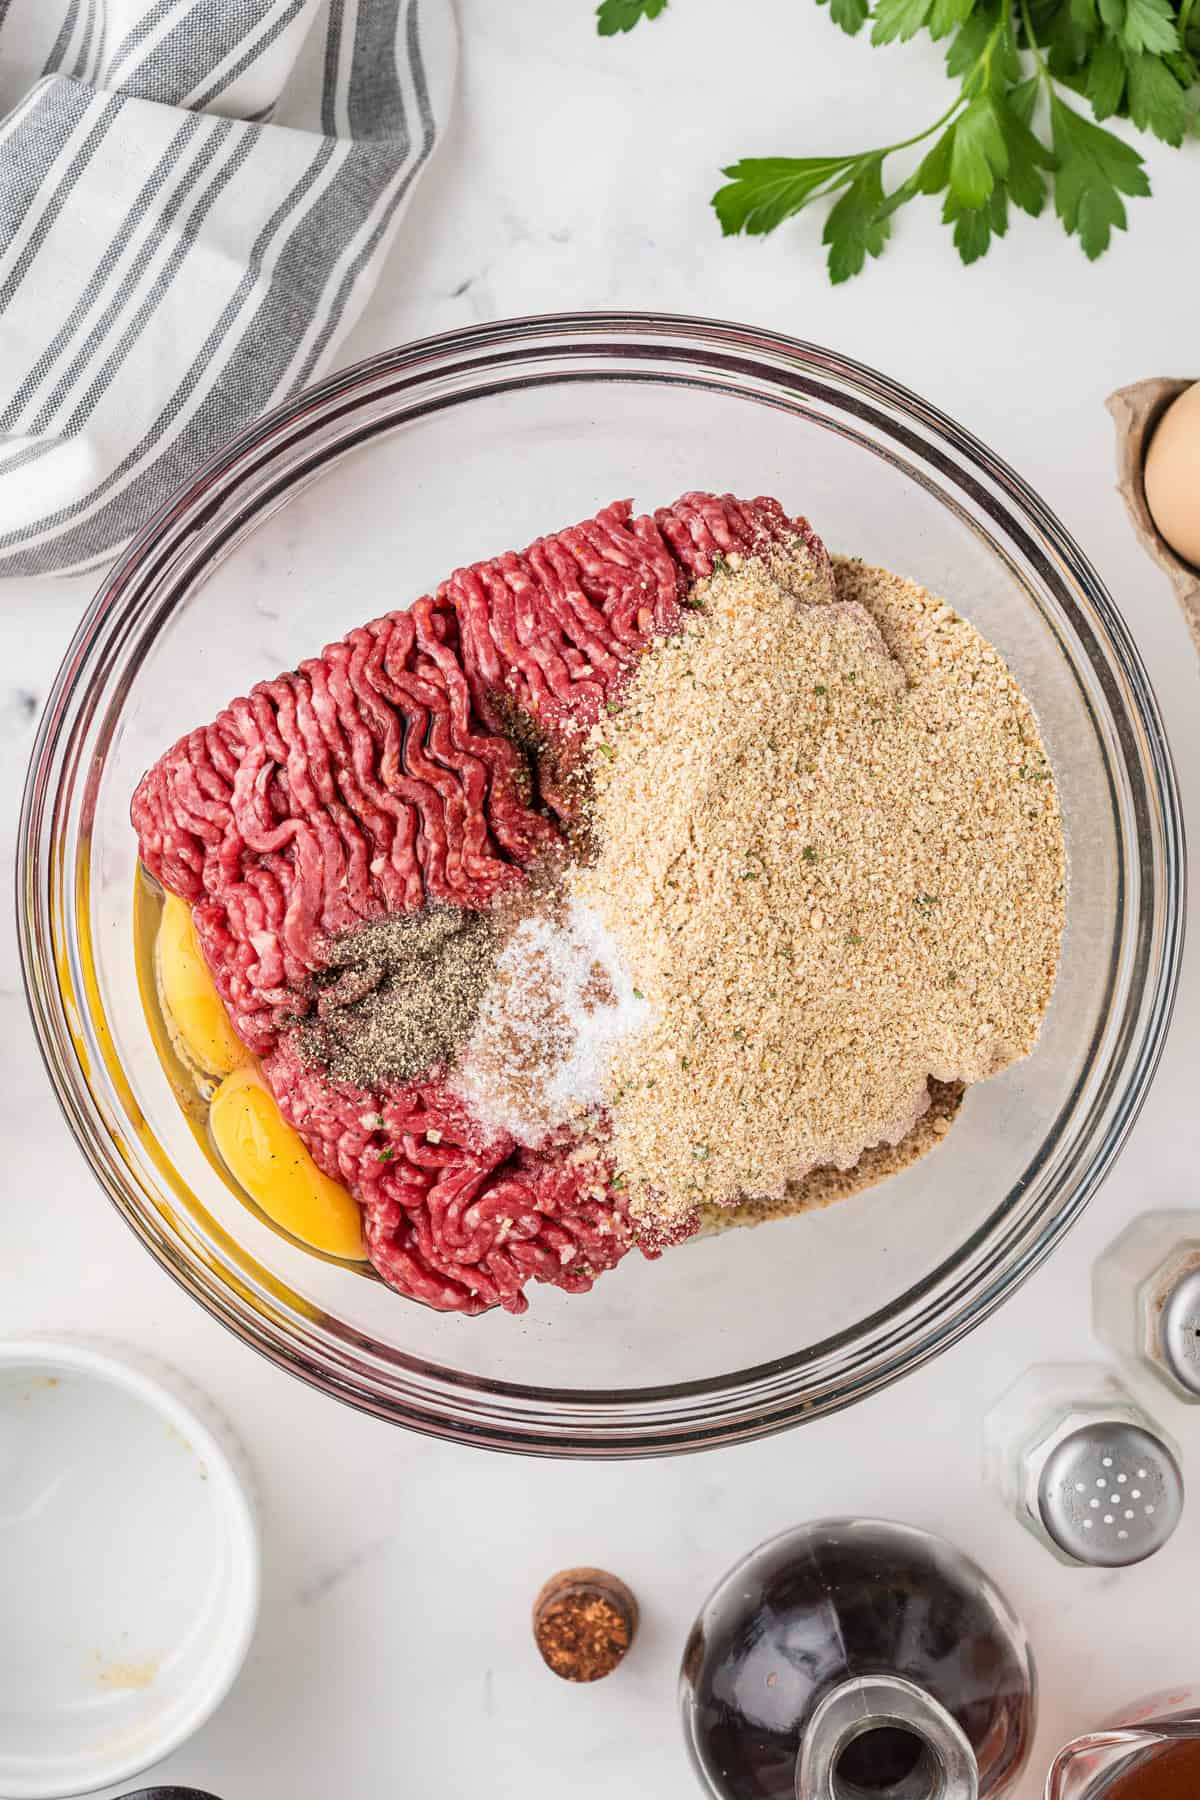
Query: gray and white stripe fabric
[{"x": 196, "y": 198}]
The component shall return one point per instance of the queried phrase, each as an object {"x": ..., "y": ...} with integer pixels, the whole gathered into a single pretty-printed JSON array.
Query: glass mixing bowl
[{"x": 362, "y": 493}]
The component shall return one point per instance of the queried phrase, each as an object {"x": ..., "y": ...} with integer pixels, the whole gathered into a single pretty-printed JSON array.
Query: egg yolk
[
  {"x": 198, "y": 1022},
  {"x": 264, "y": 1154},
  {"x": 257, "y": 1145}
]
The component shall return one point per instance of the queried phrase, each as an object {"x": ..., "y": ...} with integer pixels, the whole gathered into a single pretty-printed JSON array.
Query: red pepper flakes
[{"x": 583, "y": 1623}]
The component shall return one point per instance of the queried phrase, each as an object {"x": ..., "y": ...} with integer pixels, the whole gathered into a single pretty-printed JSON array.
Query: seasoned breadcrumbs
[
  {"x": 826, "y": 1186},
  {"x": 830, "y": 849}
]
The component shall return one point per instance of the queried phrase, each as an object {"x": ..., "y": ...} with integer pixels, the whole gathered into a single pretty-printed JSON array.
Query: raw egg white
[{"x": 1172, "y": 475}]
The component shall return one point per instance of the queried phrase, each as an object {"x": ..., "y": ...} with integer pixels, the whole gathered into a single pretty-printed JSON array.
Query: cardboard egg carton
[{"x": 1136, "y": 411}]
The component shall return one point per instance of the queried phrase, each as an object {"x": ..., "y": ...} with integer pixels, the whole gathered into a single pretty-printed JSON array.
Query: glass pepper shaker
[
  {"x": 855, "y": 1657},
  {"x": 1146, "y": 1299},
  {"x": 1149, "y": 1752},
  {"x": 1083, "y": 1467}
]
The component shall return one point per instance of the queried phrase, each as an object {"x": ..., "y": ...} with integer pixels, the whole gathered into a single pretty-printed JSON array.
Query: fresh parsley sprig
[{"x": 1013, "y": 133}]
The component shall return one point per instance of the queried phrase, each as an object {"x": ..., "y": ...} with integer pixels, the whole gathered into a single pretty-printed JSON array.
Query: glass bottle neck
[{"x": 879, "y": 1737}]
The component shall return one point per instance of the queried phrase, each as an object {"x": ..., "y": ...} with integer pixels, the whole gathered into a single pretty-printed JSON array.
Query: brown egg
[{"x": 1172, "y": 475}]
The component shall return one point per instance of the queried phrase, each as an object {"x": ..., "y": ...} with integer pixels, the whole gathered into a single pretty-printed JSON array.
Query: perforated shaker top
[
  {"x": 1179, "y": 1331},
  {"x": 1110, "y": 1493}
]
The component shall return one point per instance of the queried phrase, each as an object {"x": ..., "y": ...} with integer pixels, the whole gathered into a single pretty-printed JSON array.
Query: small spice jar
[
  {"x": 1146, "y": 1300},
  {"x": 1083, "y": 1467},
  {"x": 584, "y": 1622}
]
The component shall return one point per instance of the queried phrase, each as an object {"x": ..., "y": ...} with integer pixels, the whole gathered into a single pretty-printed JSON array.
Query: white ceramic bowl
[{"x": 128, "y": 1568}]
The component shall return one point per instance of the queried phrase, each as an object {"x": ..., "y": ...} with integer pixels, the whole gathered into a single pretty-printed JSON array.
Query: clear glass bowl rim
[{"x": 935, "y": 1312}]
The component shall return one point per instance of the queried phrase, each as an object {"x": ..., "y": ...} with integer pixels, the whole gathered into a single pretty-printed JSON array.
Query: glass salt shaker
[
  {"x": 855, "y": 1657},
  {"x": 1146, "y": 1299},
  {"x": 1151, "y": 1751},
  {"x": 1084, "y": 1467}
]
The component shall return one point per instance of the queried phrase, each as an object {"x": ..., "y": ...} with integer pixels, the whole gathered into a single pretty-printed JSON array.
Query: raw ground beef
[{"x": 384, "y": 773}]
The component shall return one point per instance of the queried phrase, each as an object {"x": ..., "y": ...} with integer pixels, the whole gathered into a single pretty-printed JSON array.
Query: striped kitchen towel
[{"x": 196, "y": 197}]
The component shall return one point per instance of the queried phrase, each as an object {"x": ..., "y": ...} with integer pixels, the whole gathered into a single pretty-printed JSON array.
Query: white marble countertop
[{"x": 393, "y": 1654}]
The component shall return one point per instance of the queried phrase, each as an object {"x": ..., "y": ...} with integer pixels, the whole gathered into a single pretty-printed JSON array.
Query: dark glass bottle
[{"x": 857, "y": 1660}]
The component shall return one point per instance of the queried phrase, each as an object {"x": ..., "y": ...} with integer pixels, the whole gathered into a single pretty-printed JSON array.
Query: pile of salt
[{"x": 559, "y": 1003}]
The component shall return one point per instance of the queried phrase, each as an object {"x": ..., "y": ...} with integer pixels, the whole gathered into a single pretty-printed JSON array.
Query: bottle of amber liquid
[
  {"x": 1152, "y": 1752},
  {"x": 857, "y": 1660}
]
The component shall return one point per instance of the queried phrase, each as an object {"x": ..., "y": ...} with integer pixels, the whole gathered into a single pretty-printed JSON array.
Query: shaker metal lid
[
  {"x": 1110, "y": 1494},
  {"x": 1179, "y": 1331}
]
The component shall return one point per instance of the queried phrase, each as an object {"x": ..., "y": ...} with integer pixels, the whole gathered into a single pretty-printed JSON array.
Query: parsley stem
[
  {"x": 920, "y": 136},
  {"x": 852, "y": 164},
  {"x": 840, "y": 179},
  {"x": 1002, "y": 28},
  {"x": 1035, "y": 47}
]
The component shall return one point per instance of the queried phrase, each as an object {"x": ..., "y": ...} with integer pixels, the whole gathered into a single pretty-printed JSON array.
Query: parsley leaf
[
  {"x": 851, "y": 15},
  {"x": 1149, "y": 25},
  {"x": 765, "y": 190},
  {"x": 1106, "y": 79},
  {"x": 613, "y": 16},
  {"x": 1157, "y": 103},
  {"x": 978, "y": 154},
  {"x": 1068, "y": 45},
  {"x": 1094, "y": 169},
  {"x": 969, "y": 46},
  {"x": 934, "y": 171},
  {"x": 976, "y": 226},
  {"x": 898, "y": 20},
  {"x": 947, "y": 15},
  {"x": 855, "y": 228},
  {"x": 1028, "y": 157}
]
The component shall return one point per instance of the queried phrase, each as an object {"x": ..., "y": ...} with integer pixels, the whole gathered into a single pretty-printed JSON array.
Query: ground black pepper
[{"x": 399, "y": 995}]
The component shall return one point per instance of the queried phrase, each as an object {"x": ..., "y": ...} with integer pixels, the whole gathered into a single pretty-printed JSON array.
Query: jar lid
[
  {"x": 1110, "y": 1494},
  {"x": 1179, "y": 1330}
]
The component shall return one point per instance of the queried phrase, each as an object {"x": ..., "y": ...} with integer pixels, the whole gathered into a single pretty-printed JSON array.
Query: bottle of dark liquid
[
  {"x": 1151, "y": 1752},
  {"x": 857, "y": 1660}
]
